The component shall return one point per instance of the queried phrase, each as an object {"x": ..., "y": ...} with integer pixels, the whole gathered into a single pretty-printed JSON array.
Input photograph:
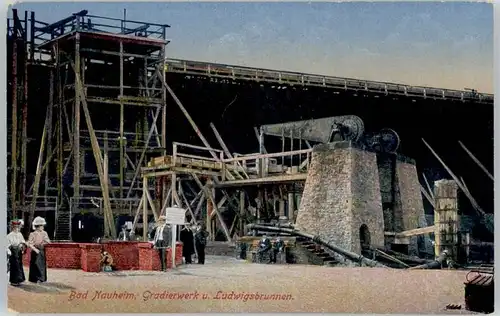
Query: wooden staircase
[{"x": 316, "y": 253}]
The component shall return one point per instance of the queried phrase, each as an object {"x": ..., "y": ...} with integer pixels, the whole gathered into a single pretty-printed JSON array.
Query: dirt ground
[{"x": 282, "y": 288}]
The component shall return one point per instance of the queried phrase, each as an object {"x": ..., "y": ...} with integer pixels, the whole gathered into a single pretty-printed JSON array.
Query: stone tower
[{"x": 341, "y": 201}]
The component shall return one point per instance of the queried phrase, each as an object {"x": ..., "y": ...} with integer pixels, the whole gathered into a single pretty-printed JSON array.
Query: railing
[
  {"x": 262, "y": 162},
  {"x": 289, "y": 77},
  {"x": 42, "y": 203},
  {"x": 217, "y": 155}
]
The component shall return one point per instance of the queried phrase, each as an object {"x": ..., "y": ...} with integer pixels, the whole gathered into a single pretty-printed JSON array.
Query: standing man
[
  {"x": 200, "y": 242},
  {"x": 187, "y": 239},
  {"x": 162, "y": 240}
]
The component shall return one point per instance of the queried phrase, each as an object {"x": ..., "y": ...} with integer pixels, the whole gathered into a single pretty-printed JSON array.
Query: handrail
[
  {"x": 272, "y": 155},
  {"x": 175, "y": 153}
]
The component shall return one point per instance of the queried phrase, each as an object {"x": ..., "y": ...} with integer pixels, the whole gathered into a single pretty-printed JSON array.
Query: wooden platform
[{"x": 231, "y": 174}]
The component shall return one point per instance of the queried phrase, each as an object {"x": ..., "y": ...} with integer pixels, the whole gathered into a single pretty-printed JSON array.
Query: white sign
[{"x": 175, "y": 216}]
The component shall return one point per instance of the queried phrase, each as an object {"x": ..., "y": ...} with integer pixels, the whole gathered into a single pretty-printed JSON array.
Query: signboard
[{"x": 175, "y": 216}]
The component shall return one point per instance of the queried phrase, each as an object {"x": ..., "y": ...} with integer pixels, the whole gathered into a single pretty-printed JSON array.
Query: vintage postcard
[{"x": 250, "y": 157}]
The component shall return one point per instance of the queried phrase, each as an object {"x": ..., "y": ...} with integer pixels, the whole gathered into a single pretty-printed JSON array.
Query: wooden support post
[
  {"x": 164, "y": 98},
  {"x": 291, "y": 148},
  {"x": 257, "y": 134},
  {"x": 24, "y": 136},
  {"x": 242, "y": 212},
  {"x": 76, "y": 122},
  {"x": 282, "y": 147},
  {"x": 14, "y": 137},
  {"x": 173, "y": 186},
  {"x": 446, "y": 217},
  {"x": 291, "y": 205},
  {"x": 97, "y": 154},
  {"x": 262, "y": 161},
  {"x": 282, "y": 208},
  {"x": 122, "y": 122},
  {"x": 105, "y": 166},
  {"x": 210, "y": 198},
  {"x": 153, "y": 207},
  {"x": 49, "y": 134},
  {"x": 60, "y": 148},
  {"x": 38, "y": 169},
  {"x": 143, "y": 153},
  {"x": 137, "y": 212},
  {"x": 144, "y": 209}
]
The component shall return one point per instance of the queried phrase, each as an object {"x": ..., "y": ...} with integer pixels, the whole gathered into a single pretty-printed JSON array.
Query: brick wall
[
  {"x": 126, "y": 256},
  {"x": 59, "y": 256},
  {"x": 341, "y": 193}
]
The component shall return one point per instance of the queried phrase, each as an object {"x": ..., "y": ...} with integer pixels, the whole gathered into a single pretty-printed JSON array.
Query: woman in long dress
[
  {"x": 15, "y": 249},
  {"x": 37, "y": 241}
]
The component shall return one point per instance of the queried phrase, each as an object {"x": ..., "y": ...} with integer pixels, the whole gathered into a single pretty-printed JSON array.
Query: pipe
[
  {"x": 436, "y": 264},
  {"x": 349, "y": 255}
]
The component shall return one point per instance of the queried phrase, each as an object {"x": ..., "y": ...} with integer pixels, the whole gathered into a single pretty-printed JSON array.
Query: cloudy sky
[{"x": 448, "y": 45}]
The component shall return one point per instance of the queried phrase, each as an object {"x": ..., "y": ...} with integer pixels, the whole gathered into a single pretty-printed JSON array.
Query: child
[{"x": 106, "y": 262}]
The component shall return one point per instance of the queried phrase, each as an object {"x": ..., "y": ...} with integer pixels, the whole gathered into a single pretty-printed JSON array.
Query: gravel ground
[{"x": 296, "y": 288}]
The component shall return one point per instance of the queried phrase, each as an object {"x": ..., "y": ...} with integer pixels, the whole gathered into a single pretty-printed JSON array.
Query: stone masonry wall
[
  {"x": 342, "y": 193},
  {"x": 366, "y": 197},
  {"x": 409, "y": 206}
]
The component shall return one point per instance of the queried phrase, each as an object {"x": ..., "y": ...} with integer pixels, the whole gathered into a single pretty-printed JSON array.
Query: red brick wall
[
  {"x": 126, "y": 256},
  {"x": 91, "y": 257},
  {"x": 59, "y": 256}
]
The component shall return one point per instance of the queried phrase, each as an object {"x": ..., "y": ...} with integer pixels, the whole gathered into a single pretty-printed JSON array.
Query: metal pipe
[{"x": 349, "y": 255}]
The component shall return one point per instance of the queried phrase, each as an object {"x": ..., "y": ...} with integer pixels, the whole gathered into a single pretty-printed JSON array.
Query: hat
[
  {"x": 16, "y": 222},
  {"x": 161, "y": 220},
  {"x": 39, "y": 221}
]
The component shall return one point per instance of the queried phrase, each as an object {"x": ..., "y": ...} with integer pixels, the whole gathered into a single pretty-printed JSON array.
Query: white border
[{"x": 3, "y": 139}]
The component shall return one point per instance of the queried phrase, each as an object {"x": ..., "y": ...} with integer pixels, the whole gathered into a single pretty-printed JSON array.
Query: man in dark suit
[
  {"x": 124, "y": 235},
  {"x": 200, "y": 239},
  {"x": 162, "y": 239},
  {"x": 187, "y": 239}
]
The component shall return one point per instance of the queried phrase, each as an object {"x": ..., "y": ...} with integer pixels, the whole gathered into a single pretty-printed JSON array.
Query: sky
[{"x": 438, "y": 44}]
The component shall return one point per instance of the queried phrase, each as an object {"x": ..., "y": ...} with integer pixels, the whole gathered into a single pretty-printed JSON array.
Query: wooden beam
[
  {"x": 97, "y": 154},
  {"x": 265, "y": 180},
  {"x": 209, "y": 196},
  {"x": 477, "y": 161},
  {"x": 459, "y": 183},
  {"x": 412, "y": 232}
]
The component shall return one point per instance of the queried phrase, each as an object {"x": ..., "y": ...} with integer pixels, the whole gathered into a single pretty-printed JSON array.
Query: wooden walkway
[{"x": 232, "y": 72}]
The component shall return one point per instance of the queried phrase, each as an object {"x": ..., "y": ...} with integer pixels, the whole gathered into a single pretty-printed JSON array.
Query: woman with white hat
[
  {"x": 15, "y": 248},
  {"x": 37, "y": 241}
]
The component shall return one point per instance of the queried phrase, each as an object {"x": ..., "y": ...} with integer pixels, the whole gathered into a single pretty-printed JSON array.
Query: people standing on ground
[
  {"x": 37, "y": 241},
  {"x": 200, "y": 243},
  {"x": 187, "y": 239},
  {"x": 125, "y": 234},
  {"x": 162, "y": 239},
  {"x": 15, "y": 248}
]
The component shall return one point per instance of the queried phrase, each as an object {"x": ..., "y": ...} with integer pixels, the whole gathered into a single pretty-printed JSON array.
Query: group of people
[
  {"x": 267, "y": 252},
  {"x": 17, "y": 246},
  {"x": 194, "y": 240}
]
